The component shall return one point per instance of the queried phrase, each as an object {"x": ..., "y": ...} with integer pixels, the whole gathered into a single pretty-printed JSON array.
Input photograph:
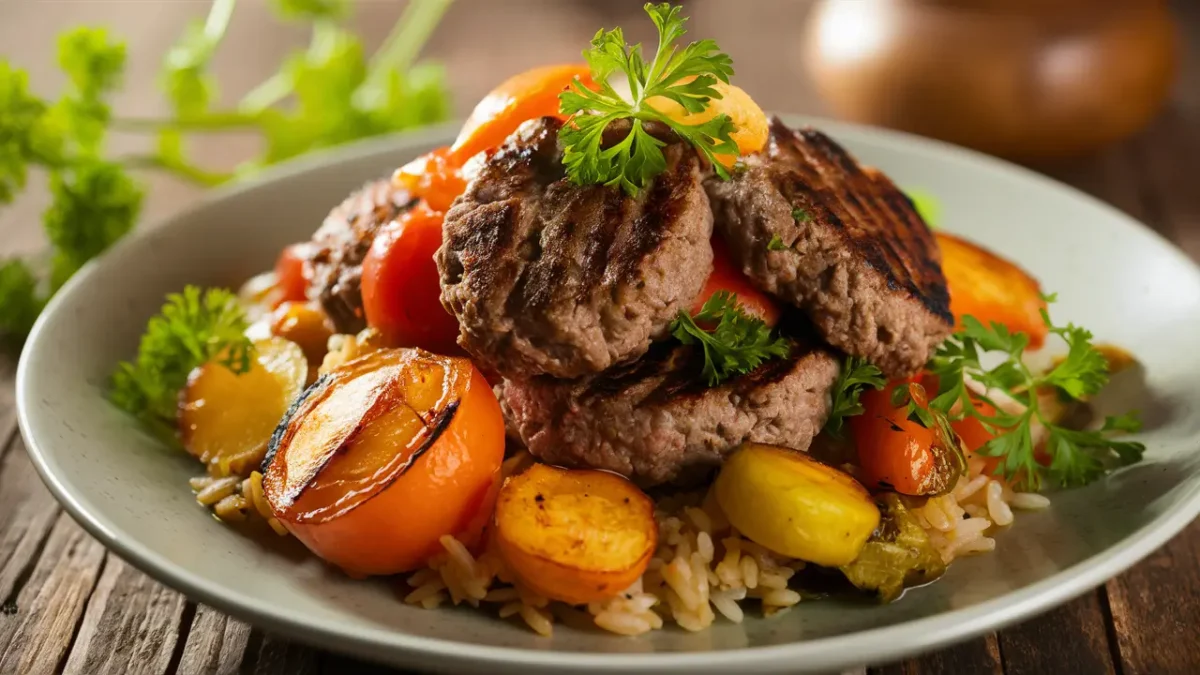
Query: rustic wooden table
[{"x": 67, "y": 604}]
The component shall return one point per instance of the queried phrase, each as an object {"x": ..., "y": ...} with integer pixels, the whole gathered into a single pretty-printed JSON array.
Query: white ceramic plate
[{"x": 1112, "y": 275}]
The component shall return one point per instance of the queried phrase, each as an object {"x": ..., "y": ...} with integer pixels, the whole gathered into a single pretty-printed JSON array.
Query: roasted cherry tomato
[
  {"x": 401, "y": 293},
  {"x": 290, "y": 277},
  {"x": 435, "y": 177},
  {"x": 529, "y": 95},
  {"x": 895, "y": 453},
  {"x": 727, "y": 277}
]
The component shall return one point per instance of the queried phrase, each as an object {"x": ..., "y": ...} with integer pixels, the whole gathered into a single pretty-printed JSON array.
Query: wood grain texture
[
  {"x": 1156, "y": 610},
  {"x": 1070, "y": 639},
  {"x": 980, "y": 656},
  {"x": 39, "y": 628},
  {"x": 216, "y": 644},
  {"x": 67, "y": 605},
  {"x": 131, "y": 625}
]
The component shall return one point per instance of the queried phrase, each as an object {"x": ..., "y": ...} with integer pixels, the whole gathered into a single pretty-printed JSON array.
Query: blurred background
[{"x": 1038, "y": 81}]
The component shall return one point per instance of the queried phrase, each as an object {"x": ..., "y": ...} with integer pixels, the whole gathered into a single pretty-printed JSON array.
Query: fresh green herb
[
  {"x": 856, "y": 375},
  {"x": 1077, "y": 457},
  {"x": 927, "y": 206},
  {"x": 194, "y": 328},
  {"x": 329, "y": 94},
  {"x": 776, "y": 244},
  {"x": 739, "y": 343},
  {"x": 686, "y": 76},
  {"x": 801, "y": 216}
]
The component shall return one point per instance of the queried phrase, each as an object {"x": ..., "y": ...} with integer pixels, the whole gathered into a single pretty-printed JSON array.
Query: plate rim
[{"x": 877, "y": 645}]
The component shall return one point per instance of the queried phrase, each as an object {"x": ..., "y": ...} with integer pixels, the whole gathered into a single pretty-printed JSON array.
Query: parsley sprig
[
  {"x": 737, "y": 345},
  {"x": 1077, "y": 457},
  {"x": 855, "y": 376},
  {"x": 685, "y": 75},
  {"x": 329, "y": 94},
  {"x": 194, "y": 328}
]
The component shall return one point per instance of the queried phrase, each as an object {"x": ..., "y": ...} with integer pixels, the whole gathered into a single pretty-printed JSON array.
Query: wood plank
[
  {"x": 1156, "y": 609},
  {"x": 38, "y": 632},
  {"x": 1070, "y": 639},
  {"x": 27, "y": 512},
  {"x": 216, "y": 644},
  {"x": 277, "y": 656},
  {"x": 131, "y": 625},
  {"x": 978, "y": 657}
]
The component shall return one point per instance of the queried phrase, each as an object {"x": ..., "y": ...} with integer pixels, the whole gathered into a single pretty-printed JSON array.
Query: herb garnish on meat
[
  {"x": 1076, "y": 457},
  {"x": 684, "y": 75},
  {"x": 739, "y": 344},
  {"x": 856, "y": 375},
  {"x": 194, "y": 328}
]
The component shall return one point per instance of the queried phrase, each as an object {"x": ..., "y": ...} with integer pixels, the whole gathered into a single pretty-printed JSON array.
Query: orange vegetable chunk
[
  {"x": 990, "y": 288},
  {"x": 386, "y": 455},
  {"x": 575, "y": 535}
]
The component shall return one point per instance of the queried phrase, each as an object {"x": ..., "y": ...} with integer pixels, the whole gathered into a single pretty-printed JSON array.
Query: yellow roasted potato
[
  {"x": 792, "y": 504},
  {"x": 575, "y": 535},
  {"x": 225, "y": 420},
  {"x": 304, "y": 324},
  {"x": 749, "y": 119}
]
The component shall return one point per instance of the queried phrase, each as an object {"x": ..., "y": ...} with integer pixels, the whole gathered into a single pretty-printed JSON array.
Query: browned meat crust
[
  {"x": 341, "y": 243},
  {"x": 656, "y": 420},
  {"x": 549, "y": 277},
  {"x": 858, "y": 259}
]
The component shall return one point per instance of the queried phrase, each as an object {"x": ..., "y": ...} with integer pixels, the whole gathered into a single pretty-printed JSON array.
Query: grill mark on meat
[
  {"x": 591, "y": 276},
  {"x": 863, "y": 264}
]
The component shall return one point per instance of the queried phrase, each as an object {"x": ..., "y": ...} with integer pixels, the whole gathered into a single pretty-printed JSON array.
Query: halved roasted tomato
[{"x": 384, "y": 456}]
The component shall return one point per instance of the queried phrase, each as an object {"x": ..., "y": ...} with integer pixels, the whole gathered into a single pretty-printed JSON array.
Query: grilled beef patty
[
  {"x": 549, "y": 277},
  {"x": 657, "y": 420},
  {"x": 859, "y": 259},
  {"x": 341, "y": 243}
]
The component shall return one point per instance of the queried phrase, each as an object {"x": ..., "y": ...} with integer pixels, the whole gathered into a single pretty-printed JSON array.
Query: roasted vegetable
[
  {"x": 991, "y": 289},
  {"x": 289, "y": 273},
  {"x": 749, "y": 121},
  {"x": 225, "y": 419},
  {"x": 575, "y": 535},
  {"x": 385, "y": 455},
  {"x": 304, "y": 325},
  {"x": 528, "y": 95},
  {"x": 727, "y": 277},
  {"x": 901, "y": 454},
  {"x": 400, "y": 287},
  {"x": 898, "y": 555},
  {"x": 794, "y": 505}
]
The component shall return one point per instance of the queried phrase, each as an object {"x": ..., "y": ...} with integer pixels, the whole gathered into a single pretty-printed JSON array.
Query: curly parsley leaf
[
  {"x": 776, "y": 244},
  {"x": 1076, "y": 456},
  {"x": 686, "y": 76},
  {"x": 194, "y": 328},
  {"x": 20, "y": 301},
  {"x": 856, "y": 375},
  {"x": 95, "y": 204},
  {"x": 329, "y": 94},
  {"x": 737, "y": 345}
]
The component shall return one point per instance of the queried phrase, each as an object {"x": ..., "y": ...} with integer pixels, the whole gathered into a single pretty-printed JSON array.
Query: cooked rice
[
  {"x": 234, "y": 499},
  {"x": 703, "y": 568}
]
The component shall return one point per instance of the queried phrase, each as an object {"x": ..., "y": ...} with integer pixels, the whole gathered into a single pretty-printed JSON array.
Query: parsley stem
[
  {"x": 214, "y": 121},
  {"x": 272, "y": 90},
  {"x": 218, "y": 20},
  {"x": 183, "y": 170},
  {"x": 402, "y": 45}
]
